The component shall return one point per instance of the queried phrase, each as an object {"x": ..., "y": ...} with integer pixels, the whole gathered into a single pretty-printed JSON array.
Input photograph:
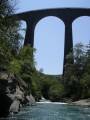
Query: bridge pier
[
  {"x": 68, "y": 44},
  {"x": 29, "y": 37}
]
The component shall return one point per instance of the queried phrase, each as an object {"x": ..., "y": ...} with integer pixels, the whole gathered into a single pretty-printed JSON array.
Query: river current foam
[{"x": 48, "y": 102}]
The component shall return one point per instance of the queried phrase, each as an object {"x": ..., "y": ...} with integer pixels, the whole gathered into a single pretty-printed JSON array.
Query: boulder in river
[
  {"x": 30, "y": 99},
  {"x": 15, "y": 106}
]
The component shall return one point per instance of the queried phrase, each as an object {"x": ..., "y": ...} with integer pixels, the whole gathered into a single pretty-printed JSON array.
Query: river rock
[
  {"x": 19, "y": 94},
  {"x": 83, "y": 102},
  {"x": 31, "y": 100},
  {"x": 3, "y": 76},
  {"x": 15, "y": 106}
]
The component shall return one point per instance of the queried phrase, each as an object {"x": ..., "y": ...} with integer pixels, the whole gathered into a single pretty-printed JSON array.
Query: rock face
[
  {"x": 5, "y": 103},
  {"x": 13, "y": 94}
]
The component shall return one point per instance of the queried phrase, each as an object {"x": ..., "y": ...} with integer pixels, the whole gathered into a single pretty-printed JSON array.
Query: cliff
[{"x": 13, "y": 94}]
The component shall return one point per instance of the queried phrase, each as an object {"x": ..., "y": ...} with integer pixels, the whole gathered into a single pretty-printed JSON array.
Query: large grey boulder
[
  {"x": 17, "y": 97},
  {"x": 83, "y": 102},
  {"x": 3, "y": 75},
  {"x": 15, "y": 106},
  {"x": 19, "y": 94},
  {"x": 30, "y": 99}
]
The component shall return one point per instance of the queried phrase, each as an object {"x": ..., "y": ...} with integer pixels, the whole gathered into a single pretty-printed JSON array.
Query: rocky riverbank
[
  {"x": 13, "y": 94},
  {"x": 83, "y": 102}
]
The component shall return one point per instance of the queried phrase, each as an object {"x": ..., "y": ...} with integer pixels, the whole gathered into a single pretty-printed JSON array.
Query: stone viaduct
[{"x": 67, "y": 15}]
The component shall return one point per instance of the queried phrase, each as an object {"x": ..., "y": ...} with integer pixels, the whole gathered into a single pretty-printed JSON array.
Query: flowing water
[{"x": 52, "y": 111}]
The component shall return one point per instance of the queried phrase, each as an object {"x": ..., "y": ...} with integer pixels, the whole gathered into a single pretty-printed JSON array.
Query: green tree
[
  {"x": 85, "y": 82},
  {"x": 74, "y": 72},
  {"x": 9, "y": 35},
  {"x": 56, "y": 92}
]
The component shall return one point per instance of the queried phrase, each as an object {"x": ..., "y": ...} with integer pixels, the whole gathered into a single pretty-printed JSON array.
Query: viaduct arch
[{"x": 67, "y": 15}]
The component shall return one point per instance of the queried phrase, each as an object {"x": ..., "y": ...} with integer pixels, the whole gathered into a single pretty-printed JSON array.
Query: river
[{"x": 52, "y": 111}]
